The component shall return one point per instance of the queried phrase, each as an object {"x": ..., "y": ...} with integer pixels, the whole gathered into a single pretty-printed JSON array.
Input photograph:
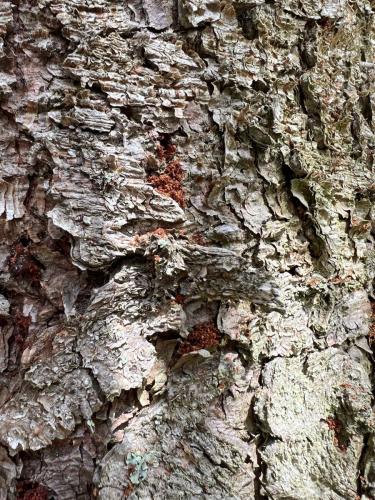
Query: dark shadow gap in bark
[
  {"x": 261, "y": 439},
  {"x": 366, "y": 109},
  {"x": 246, "y": 20},
  {"x": 362, "y": 488},
  {"x": 316, "y": 244}
]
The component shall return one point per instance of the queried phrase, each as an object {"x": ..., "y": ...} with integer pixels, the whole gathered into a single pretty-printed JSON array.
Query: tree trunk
[{"x": 186, "y": 197}]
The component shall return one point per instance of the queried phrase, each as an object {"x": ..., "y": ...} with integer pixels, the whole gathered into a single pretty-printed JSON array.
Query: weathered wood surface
[{"x": 186, "y": 200}]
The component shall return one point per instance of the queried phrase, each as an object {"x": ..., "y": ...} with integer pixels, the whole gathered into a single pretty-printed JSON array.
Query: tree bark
[{"x": 186, "y": 201}]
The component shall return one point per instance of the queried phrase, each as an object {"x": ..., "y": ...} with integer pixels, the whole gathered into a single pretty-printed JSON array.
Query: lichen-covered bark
[{"x": 186, "y": 201}]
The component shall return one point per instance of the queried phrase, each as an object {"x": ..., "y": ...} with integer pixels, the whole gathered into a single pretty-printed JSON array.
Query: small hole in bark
[
  {"x": 129, "y": 112},
  {"x": 260, "y": 86},
  {"x": 246, "y": 21},
  {"x": 210, "y": 87},
  {"x": 293, "y": 270},
  {"x": 25, "y": 240}
]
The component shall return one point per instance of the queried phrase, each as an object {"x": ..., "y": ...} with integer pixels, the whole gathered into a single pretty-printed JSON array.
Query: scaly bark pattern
[{"x": 186, "y": 201}]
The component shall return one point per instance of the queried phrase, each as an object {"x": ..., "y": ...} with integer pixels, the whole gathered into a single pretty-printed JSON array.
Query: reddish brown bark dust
[{"x": 203, "y": 336}]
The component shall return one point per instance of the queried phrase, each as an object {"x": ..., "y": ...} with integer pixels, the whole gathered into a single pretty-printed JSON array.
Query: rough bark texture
[{"x": 186, "y": 196}]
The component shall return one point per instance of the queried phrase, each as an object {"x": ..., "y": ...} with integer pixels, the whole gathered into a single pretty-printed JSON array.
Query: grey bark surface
[{"x": 187, "y": 199}]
